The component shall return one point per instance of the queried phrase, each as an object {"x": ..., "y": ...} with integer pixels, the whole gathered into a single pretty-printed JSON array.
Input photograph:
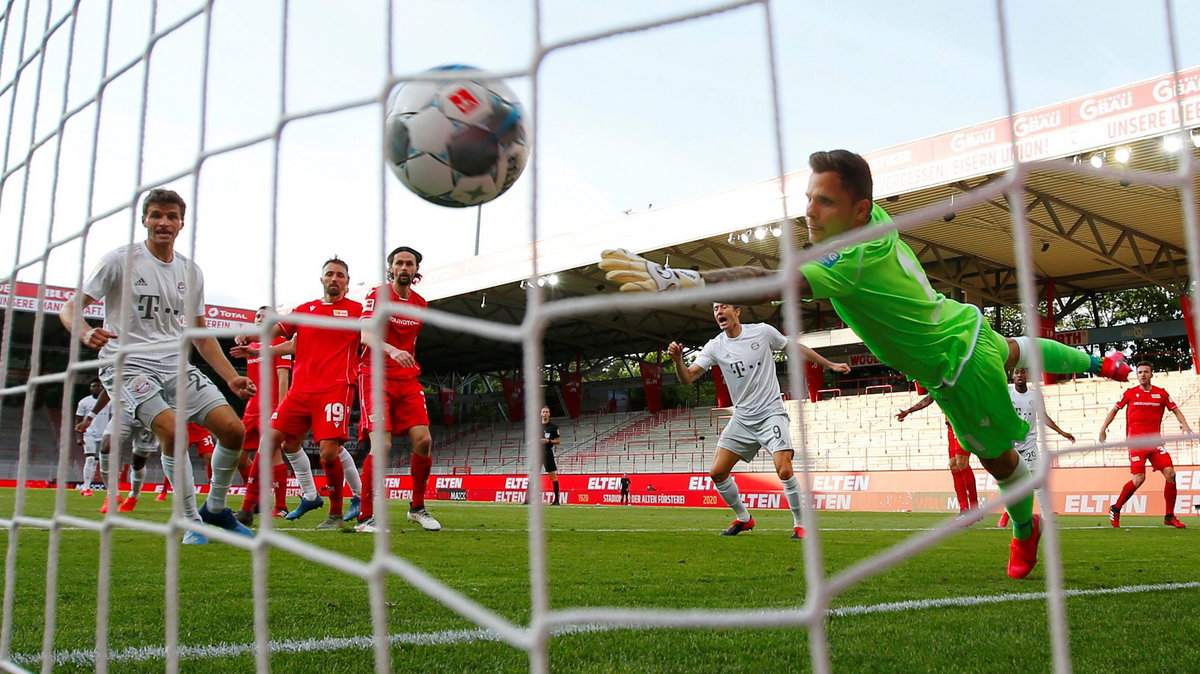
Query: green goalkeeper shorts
[{"x": 978, "y": 406}]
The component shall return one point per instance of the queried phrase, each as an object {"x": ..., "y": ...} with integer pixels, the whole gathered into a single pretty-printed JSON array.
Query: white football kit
[
  {"x": 154, "y": 294},
  {"x": 748, "y": 364},
  {"x": 1026, "y": 406},
  {"x": 95, "y": 430}
]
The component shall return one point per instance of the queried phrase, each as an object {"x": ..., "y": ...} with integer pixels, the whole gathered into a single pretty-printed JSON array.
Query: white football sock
[
  {"x": 351, "y": 471},
  {"x": 224, "y": 467},
  {"x": 89, "y": 469},
  {"x": 729, "y": 492},
  {"x": 136, "y": 479},
  {"x": 302, "y": 469},
  {"x": 103, "y": 460},
  {"x": 186, "y": 490},
  {"x": 791, "y": 491}
]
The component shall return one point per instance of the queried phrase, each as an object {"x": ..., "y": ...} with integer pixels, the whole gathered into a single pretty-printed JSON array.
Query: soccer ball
[{"x": 456, "y": 143}]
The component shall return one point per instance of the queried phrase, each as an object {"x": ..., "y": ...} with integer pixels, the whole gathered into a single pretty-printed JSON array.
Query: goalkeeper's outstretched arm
[{"x": 636, "y": 273}]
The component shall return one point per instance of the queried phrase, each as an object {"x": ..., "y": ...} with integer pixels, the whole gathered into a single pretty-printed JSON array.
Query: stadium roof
[{"x": 1092, "y": 229}]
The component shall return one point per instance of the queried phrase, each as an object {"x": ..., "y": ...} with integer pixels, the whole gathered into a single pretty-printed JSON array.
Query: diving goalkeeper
[{"x": 880, "y": 290}]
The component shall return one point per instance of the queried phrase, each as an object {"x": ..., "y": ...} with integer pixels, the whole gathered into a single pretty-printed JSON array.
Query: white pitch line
[{"x": 451, "y": 637}]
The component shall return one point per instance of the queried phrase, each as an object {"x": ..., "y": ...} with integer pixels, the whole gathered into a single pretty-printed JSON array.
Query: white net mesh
[{"x": 103, "y": 101}]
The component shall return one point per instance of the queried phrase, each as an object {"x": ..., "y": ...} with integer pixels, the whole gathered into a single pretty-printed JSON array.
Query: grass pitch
[{"x": 965, "y": 615}]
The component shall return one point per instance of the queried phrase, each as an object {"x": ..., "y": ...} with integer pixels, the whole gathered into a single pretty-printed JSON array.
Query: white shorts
[
  {"x": 1029, "y": 453},
  {"x": 147, "y": 393},
  {"x": 134, "y": 436},
  {"x": 90, "y": 447},
  {"x": 745, "y": 439}
]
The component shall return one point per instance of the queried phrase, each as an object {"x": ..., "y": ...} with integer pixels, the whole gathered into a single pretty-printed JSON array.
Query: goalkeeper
[{"x": 880, "y": 290}]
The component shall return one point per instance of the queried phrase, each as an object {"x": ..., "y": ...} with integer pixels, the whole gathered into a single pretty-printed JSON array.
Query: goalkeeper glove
[{"x": 635, "y": 273}]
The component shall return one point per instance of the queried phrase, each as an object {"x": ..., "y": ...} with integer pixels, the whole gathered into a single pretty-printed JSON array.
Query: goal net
[{"x": 267, "y": 118}]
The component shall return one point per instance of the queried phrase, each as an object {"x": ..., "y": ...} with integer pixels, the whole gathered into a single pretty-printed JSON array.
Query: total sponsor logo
[
  {"x": 230, "y": 314},
  {"x": 448, "y": 483},
  {"x": 965, "y": 140},
  {"x": 1166, "y": 90},
  {"x": 1036, "y": 123},
  {"x": 1094, "y": 107}
]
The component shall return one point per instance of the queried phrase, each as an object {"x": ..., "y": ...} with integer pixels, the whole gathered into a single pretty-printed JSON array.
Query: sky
[{"x": 621, "y": 124}]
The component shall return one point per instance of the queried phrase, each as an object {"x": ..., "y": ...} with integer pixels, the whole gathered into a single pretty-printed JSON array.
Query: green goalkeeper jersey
[{"x": 880, "y": 290}]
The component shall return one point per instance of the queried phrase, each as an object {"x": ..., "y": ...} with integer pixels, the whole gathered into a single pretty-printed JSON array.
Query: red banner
[
  {"x": 514, "y": 397},
  {"x": 723, "y": 397},
  {"x": 25, "y": 299},
  {"x": 814, "y": 376},
  {"x": 572, "y": 393},
  {"x": 1074, "y": 491},
  {"x": 446, "y": 398},
  {"x": 652, "y": 385},
  {"x": 1185, "y": 303}
]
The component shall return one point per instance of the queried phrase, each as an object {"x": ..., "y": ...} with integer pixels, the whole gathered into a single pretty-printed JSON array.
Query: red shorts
[
  {"x": 327, "y": 413},
  {"x": 403, "y": 400},
  {"x": 253, "y": 435},
  {"x": 1157, "y": 457},
  {"x": 952, "y": 442},
  {"x": 201, "y": 438}
]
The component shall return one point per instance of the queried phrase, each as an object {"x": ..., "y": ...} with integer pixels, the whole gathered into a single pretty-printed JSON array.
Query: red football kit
[
  {"x": 254, "y": 371},
  {"x": 199, "y": 436},
  {"x": 323, "y": 374},
  {"x": 403, "y": 397},
  {"x": 952, "y": 443},
  {"x": 1143, "y": 416}
]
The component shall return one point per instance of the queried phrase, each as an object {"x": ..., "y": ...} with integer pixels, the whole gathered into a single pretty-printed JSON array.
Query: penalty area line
[{"x": 452, "y": 637}]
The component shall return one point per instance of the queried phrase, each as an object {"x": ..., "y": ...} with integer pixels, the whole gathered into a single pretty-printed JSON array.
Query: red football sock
[
  {"x": 279, "y": 477},
  {"x": 1126, "y": 493},
  {"x": 245, "y": 472},
  {"x": 960, "y": 490},
  {"x": 367, "y": 506},
  {"x": 335, "y": 477},
  {"x": 1169, "y": 496},
  {"x": 251, "y": 499},
  {"x": 419, "y": 470},
  {"x": 969, "y": 483}
]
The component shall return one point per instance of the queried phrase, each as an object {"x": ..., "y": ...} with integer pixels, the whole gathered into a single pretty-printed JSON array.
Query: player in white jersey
[
  {"x": 746, "y": 355},
  {"x": 90, "y": 438},
  {"x": 1024, "y": 400},
  {"x": 152, "y": 294}
]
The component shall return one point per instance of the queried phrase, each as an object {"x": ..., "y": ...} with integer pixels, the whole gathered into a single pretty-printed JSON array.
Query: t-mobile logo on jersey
[{"x": 148, "y": 305}]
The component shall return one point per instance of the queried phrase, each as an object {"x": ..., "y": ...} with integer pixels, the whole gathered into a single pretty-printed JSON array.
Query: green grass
[{"x": 639, "y": 558}]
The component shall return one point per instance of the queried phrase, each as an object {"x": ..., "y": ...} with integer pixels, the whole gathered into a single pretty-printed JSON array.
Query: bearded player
[
  {"x": 320, "y": 396},
  {"x": 1144, "y": 406},
  {"x": 403, "y": 398},
  {"x": 880, "y": 290}
]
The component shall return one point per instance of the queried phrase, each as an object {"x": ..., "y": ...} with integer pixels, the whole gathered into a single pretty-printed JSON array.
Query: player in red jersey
[
  {"x": 321, "y": 391},
  {"x": 403, "y": 398},
  {"x": 250, "y": 419},
  {"x": 1144, "y": 406},
  {"x": 960, "y": 461}
]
